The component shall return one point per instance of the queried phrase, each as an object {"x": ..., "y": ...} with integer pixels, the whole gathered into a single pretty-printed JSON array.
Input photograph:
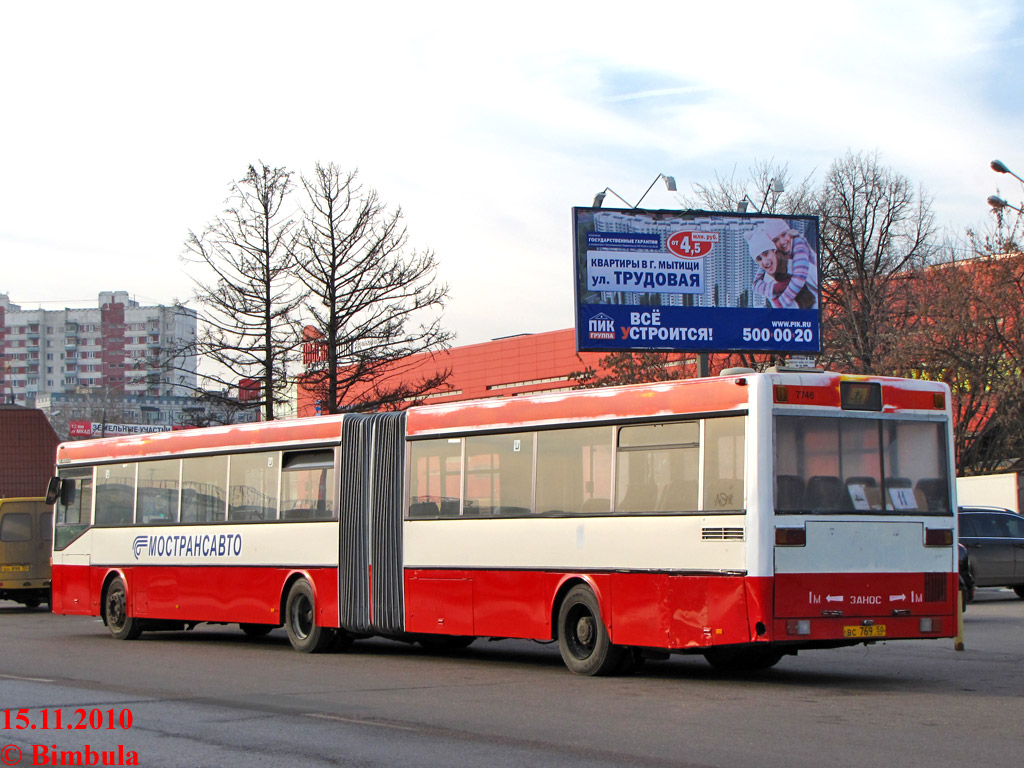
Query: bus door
[{"x": 370, "y": 592}]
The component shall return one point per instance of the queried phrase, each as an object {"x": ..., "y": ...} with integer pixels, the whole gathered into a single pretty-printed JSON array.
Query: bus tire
[
  {"x": 256, "y": 630},
  {"x": 582, "y": 636},
  {"x": 305, "y": 634},
  {"x": 115, "y": 613}
]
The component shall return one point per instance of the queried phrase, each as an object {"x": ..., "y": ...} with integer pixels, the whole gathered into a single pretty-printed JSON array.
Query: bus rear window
[{"x": 860, "y": 465}]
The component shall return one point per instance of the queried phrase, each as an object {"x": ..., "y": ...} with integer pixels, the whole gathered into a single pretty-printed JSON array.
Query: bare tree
[
  {"x": 875, "y": 231},
  {"x": 374, "y": 302},
  {"x": 634, "y": 368},
  {"x": 211, "y": 409},
  {"x": 973, "y": 339},
  {"x": 248, "y": 328},
  {"x": 767, "y": 184}
]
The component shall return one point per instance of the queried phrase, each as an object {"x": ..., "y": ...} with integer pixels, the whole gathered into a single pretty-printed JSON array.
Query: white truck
[{"x": 1001, "y": 490}]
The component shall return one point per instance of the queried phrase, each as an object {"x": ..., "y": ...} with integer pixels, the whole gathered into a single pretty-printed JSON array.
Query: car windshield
[{"x": 860, "y": 465}]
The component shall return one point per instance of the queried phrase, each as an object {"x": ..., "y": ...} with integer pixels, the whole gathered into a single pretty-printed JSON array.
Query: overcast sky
[{"x": 123, "y": 124}]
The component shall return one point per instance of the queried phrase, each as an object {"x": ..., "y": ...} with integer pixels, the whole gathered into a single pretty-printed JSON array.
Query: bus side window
[
  {"x": 307, "y": 485},
  {"x": 574, "y": 471},
  {"x": 115, "y": 494},
  {"x": 203, "y": 489},
  {"x": 435, "y": 478},
  {"x": 157, "y": 495},
  {"x": 724, "y": 449},
  {"x": 499, "y": 473},
  {"x": 657, "y": 467},
  {"x": 252, "y": 486}
]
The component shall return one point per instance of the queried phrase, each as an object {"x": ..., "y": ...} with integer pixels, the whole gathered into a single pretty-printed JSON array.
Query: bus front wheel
[
  {"x": 115, "y": 612},
  {"x": 300, "y": 620},
  {"x": 582, "y": 636}
]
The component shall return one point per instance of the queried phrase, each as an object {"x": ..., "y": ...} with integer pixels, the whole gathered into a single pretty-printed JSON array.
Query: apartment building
[{"x": 117, "y": 347}]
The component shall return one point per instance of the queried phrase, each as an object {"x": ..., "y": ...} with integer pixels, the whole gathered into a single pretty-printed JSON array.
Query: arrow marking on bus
[
  {"x": 896, "y": 598},
  {"x": 833, "y": 598}
]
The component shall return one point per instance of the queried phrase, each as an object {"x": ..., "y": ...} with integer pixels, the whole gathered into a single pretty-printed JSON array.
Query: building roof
[{"x": 505, "y": 367}]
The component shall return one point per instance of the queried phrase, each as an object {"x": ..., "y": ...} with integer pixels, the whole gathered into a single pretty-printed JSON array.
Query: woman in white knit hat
[
  {"x": 801, "y": 292},
  {"x": 773, "y": 278}
]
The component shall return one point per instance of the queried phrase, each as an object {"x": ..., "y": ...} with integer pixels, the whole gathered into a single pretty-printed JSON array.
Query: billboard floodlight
[
  {"x": 670, "y": 185},
  {"x": 600, "y": 196}
]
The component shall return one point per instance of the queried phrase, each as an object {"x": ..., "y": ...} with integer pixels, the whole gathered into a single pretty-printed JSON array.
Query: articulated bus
[{"x": 743, "y": 517}]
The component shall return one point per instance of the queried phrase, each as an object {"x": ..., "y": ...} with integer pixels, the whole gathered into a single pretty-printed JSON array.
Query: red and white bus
[{"x": 744, "y": 517}]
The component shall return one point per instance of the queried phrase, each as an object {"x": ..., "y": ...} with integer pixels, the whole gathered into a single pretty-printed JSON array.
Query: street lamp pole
[{"x": 996, "y": 201}]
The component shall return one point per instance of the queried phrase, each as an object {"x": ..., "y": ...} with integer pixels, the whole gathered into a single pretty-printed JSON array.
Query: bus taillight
[
  {"x": 790, "y": 537},
  {"x": 798, "y": 626},
  {"x": 938, "y": 537}
]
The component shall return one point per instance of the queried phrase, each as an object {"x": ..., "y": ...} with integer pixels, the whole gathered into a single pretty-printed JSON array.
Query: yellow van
[{"x": 26, "y": 535}]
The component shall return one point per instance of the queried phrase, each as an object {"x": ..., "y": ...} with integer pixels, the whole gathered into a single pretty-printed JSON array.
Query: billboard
[
  {"x": 695, "y": 281},
  {"x": 99, "y": 429}
]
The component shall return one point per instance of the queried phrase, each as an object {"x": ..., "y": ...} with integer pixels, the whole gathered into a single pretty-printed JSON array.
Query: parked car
[
  {"x": 966, "y": 578},
  {"x": 994, "y": 539}
]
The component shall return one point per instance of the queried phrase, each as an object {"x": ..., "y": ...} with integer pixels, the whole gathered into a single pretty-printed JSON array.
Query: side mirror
[
  {"x": 62, "y": 489},
  {"x": 52, "y": 491}
]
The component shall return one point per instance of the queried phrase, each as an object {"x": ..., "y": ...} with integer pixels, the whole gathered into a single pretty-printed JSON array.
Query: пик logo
[
  {"x": 601, "y": 327},
  {"x": 140, "y": 543}
]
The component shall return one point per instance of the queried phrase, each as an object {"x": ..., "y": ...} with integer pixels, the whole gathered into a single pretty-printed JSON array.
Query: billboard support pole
[{"x": 703, "y": 365}]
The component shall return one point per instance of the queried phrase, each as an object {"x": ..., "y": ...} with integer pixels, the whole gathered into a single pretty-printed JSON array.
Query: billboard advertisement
[
  {"x": 99, "y": 429},
  {"x": 695, "y": 281}
]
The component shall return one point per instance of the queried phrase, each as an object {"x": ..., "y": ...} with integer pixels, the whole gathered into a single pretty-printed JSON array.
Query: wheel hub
[{"x": 585, "y": 630}]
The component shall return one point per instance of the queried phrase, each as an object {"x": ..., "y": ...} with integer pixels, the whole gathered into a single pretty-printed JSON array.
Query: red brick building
[
  {"x": 28, "y": 452},
  {"x": 515, "y": 365}
]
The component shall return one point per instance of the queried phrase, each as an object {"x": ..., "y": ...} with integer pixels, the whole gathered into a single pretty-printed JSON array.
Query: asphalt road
[{"x": 213, "y": 697}]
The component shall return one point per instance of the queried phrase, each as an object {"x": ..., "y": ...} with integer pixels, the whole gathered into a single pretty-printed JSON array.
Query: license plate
[
  {"x": 13, "y": 568},
  {"x": 874, "y": 630}
]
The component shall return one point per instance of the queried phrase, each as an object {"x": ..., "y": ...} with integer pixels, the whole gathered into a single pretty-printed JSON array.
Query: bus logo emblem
[{"x": 140, "y": 543}]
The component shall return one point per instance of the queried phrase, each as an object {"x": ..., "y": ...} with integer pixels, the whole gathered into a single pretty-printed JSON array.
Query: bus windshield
[{"x": 867, "y": 465}]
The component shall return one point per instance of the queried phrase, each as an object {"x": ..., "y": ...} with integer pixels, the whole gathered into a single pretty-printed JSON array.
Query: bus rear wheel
[
  {"x": 115, "y": 613},
  {"x": 304, "y": 633},
  {"x": 582, "y": 636}
]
